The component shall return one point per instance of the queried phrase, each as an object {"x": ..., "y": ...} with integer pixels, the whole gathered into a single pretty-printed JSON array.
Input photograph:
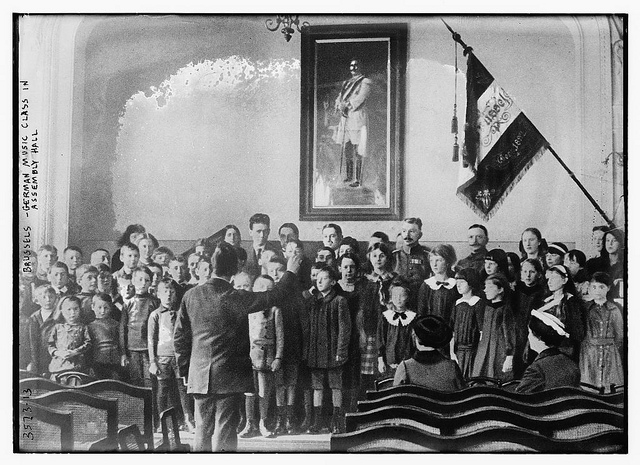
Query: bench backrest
[
  {"x": 43, "y": 429},
  {"x": 538, "y": 397},
  {"x": 405, "y": 438},
  {"x": 569, "y": 427},
  {"x": 94, "y": 418},
  {"x": 553, "y": 406},
  {"x": 135, "y": 403}
]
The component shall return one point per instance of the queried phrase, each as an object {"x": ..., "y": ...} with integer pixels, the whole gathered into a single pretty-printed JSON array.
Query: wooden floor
[{"x": 285, "y": 443}]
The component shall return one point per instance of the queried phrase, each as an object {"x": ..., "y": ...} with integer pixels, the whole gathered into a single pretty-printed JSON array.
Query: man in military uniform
[
  {"x": 478, "y": 239},
  {"x": 412, "y": 259},
  {"x": 353, "y": 129}
]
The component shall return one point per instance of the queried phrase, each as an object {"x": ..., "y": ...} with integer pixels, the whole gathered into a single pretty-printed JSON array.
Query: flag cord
[
  {"x": 582, "y": 188},
  {"x": 454, "y": 120}
]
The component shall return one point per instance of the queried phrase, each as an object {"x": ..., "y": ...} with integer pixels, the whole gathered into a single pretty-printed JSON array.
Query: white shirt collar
[
  {"x": 449, "y": 283},
  {"x": 472, "y": 301},
  {"x": 388, "y": 315}
]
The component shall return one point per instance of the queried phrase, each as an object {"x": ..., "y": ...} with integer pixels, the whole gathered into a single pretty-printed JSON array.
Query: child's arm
[
  {"x": 344, "y": 330},
  {"x": 124, "y": 333},
  {"x": 86, "y": 342},
  {"x": 53, "y": 342},
  {"x": 277, "y": 361},
  {"x": 152, "y": 341},
  {"x": 509, "y": 334},
  {"x": 618, "y": 327},
  {"x": 381, "y": 341},
  {"x": 182, "y": 340}
]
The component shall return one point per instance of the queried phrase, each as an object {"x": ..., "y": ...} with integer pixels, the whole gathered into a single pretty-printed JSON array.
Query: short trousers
[{"x": 332, "y": 375}]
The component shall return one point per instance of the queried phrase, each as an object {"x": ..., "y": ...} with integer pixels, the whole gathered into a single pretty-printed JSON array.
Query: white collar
[
  {"x": 472, "y": 301},
  {"x": 388, "y": 315},
  {"x": 449, "y": 283}
]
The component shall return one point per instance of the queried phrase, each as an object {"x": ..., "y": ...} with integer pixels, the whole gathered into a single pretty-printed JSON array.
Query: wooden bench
[
  {"x": 556, "y": 406},
  {"x": 94, "y": 418},
  {"x": 134, "y": 402},
  {"x": 404, "y": 438},
  {"x": 542, "y": 396},
  {"x": 43, "y": 429},
  {"x": 569, "y": 427}
]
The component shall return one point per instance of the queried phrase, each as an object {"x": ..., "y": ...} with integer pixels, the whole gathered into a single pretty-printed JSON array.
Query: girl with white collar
[{"x": 438, "y": 294}]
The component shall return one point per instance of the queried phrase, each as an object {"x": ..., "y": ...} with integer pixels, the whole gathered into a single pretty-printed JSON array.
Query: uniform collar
[
  {"x": 472, "y": 301},
  {"x": 327, "y": 298},
  {"x": 434, "y": 284},
  {"x": 389, "y": 314}
]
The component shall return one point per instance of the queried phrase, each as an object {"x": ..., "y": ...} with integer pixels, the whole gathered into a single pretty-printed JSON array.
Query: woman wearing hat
[
  {"x": 429, "y": 367},
  {"x": 551, "y": 368},
  {"x": 555, "y": 254}
]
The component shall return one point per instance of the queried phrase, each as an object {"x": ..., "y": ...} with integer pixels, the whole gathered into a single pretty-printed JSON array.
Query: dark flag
[{"x": 500, "y": 143}]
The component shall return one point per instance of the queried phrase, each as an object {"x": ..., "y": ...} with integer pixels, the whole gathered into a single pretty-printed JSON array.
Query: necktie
[
  {"x": 441, "y": 283},
  {"x": 258, "y": 254}
]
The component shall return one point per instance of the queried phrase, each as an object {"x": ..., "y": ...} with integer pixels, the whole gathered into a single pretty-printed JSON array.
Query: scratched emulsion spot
[{"x": 177, "y": 137}]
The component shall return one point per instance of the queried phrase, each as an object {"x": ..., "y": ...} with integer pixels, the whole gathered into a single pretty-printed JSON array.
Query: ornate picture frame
[{"x": 352, "y": 121}]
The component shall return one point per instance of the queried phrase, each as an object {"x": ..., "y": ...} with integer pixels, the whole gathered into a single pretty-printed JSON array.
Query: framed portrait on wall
[{"x": 352, "y": 121}]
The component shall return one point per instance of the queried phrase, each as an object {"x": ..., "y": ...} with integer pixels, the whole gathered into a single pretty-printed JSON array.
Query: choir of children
[{"x": 413, "y": 314}]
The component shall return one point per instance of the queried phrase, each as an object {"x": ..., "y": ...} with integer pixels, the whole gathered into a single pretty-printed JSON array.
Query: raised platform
[{"x": 286, "y": 443}]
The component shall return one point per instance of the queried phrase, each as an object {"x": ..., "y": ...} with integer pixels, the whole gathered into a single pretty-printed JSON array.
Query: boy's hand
[
  {"x": 30, "y": 367},
  {"x": 276, "y": 364},
  {"x": 293, "y": 264},
  {"x": 339, "y": 359},
  {"x": 393, "y": 365},
  {"x": 381, "y": 366},
  {"x": 153, "y": 368},
  {"x": 124, "y": 361}
]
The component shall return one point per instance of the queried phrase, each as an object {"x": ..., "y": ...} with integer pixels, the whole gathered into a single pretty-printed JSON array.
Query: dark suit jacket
[
  {"x": 431, "y": 369},
  {"x": 211, "y": 335},
  {"x": 251, "y": 266},
  {"x": 550, "y": 369}
]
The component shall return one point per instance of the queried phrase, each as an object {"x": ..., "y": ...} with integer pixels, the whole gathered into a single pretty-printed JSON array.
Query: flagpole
[{"x": 582, "y": 188}]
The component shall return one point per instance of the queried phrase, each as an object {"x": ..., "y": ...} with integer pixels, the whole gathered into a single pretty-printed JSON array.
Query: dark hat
[
  {"x": 557, "y": 248},
  {"x": 432, "y": 331},
  {"x": 497, "y": 255}
]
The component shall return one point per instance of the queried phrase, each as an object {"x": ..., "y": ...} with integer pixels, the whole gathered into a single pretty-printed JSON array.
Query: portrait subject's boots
[
  {"x": 289, "y": 426},
  {"x": 357, "y": 176}
]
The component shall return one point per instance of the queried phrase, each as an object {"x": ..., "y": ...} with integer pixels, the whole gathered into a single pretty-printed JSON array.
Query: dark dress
[
  {"x": 351, "y": 369},
  {"x": 466, "y": 321},
  {"x": 550, "y": 369},
  {"x": 497, "y": 342},
  {"x": 394, "y": 336},
  {"x": 375, "y": 294},
  {"x": 437, "y": 297},
  {"x": 430, "y": 369},
  {"x": 525, "y": 299}
]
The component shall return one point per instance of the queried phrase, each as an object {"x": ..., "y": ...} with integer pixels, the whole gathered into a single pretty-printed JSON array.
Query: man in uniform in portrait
[{"x": 352, "y": 133}]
